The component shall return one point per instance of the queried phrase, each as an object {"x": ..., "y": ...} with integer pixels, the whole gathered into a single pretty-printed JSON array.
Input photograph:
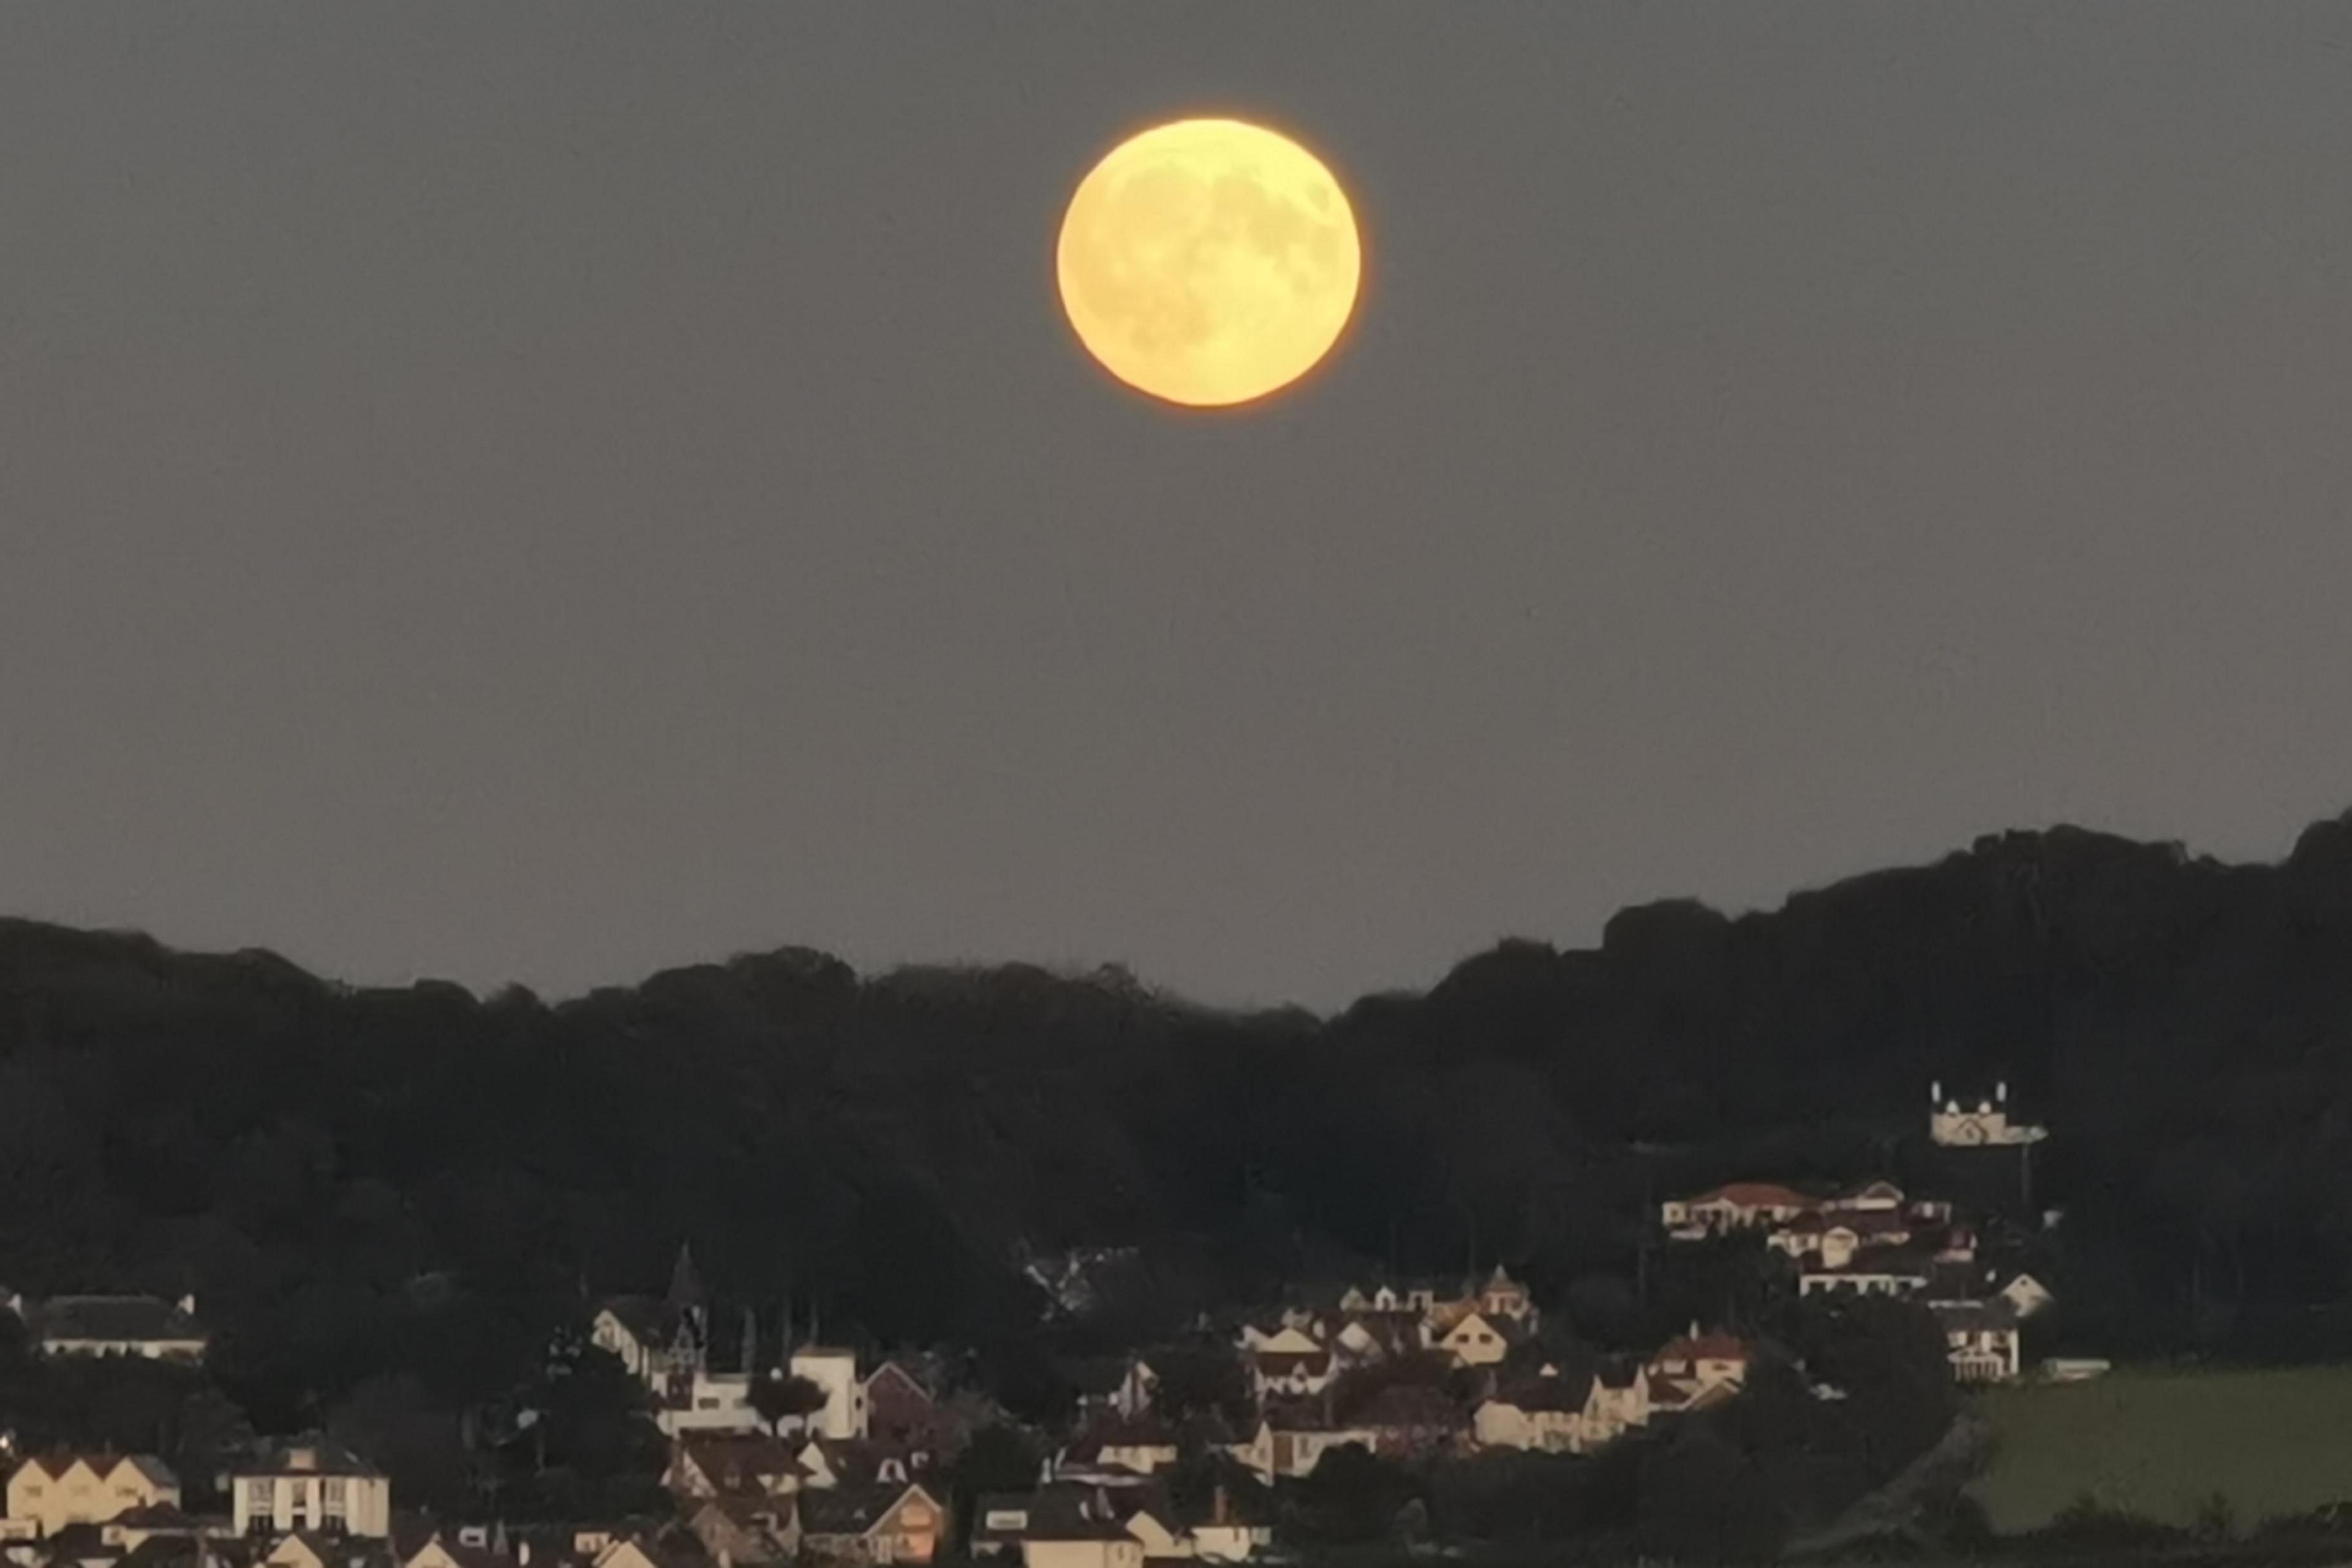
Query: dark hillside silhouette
[{"x": 359, "y": 1184}]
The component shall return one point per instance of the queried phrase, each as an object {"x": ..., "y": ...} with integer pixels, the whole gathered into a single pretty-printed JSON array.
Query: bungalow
[
  {"x": 872, "y": 1524},
  {"x": 50, "y": 1492}
]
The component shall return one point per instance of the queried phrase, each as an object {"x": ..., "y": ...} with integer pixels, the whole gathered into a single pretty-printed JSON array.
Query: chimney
[
  {"x": 1935, "y": 1093},
  {"x": 188, "y": 1304},
  {"x": 2001, "y": 1091},
  {"x": 1223, "y": 1509}
]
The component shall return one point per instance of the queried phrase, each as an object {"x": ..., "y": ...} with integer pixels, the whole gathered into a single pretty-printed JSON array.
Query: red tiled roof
[{"x": 1757, "y": 1195}]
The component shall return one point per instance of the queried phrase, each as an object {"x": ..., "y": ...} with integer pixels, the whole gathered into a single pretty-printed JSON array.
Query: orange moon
[{"x": 1209, "y": 262}]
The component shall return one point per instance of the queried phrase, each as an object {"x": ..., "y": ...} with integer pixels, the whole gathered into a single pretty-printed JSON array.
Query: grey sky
[{"x": 549, "y": 492}]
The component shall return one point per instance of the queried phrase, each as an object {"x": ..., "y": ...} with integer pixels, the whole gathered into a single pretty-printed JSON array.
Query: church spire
[{"x": 685, "y": 1284}]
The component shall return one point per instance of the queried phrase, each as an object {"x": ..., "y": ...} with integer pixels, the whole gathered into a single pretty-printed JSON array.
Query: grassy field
[{"x": 2158, "y": 1443}]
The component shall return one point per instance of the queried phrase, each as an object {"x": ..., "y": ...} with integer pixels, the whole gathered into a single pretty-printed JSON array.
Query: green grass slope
[{"x": 2160, "y": 1443}]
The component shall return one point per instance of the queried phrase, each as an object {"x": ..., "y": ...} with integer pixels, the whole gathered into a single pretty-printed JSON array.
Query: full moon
[{"x": 1209, "y": 261}]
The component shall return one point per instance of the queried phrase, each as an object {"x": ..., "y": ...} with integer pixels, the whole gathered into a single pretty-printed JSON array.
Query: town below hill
[{"x": 381, "y": 1207}]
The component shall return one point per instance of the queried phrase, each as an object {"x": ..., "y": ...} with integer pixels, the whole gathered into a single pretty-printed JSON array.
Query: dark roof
[
  {"x": 306, "y": 1457},
  {"x": 896, "y": 1373},
  {"x": 155, "y": 1516},
  {"x": 1896, "y": 1260},
  {"x": 847, "y": 1510},
  {"x": 1975, "y": 1316},
  {"x": 1566, "y": 1391},
  {"x": 139, "y": 1317},
  {"x": 736, "y": 1460}
]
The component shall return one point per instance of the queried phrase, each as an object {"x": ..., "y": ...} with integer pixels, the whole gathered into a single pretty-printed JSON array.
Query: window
[{"x": 331, "y": 1494}]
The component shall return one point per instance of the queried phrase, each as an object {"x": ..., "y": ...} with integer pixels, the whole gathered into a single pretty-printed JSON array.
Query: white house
[
  {"x": 1983, "y": 1341},
  {"x": 836, "y": 1371},
  {"x": 314, "y": 1486},
  {"x": 1987, "y": 1125}
]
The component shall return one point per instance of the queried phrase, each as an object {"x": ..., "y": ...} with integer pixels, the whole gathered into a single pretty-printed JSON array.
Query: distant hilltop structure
[{"x": 1988, "y": 1126}]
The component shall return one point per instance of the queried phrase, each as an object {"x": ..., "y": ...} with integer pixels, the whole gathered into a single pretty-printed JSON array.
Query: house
[
  {"x": 1477, "y": 1340},
  {"x": 1872, "y": 1271},
  {"x": 1081, "y": 1544},
  {"x": 877, "y": 1523},
  {"x": 49, "y": 1493},
  {"x": 835, "y": 1371},
  {"x": 1360, "y": 1339},
  {"x": 1703, "y": 1359},
  {"x": 1871, "y": 1197},
  {"x": 1290, "y": 1339},
  {"x": 312, "y": 1485},
  {"x": 1001, "y": 1520},
  {"x": 1617, "y": 1400},
  {"x": 1672, "y": 1395},
  {"x": 1227, "y": 1536},
  {"x": 854, "y": 1462},
  {"x": 145, "y": 1326},
  {"x": 1544, "y": 1412},
  {"x": 323, "y": 1549},
  {"x": 1834, "y": 1237},
  {"x": 1291, "y": 1440},
  {"x": 747, "y": 1530},
  {"x": 1143, "y": 1445},
  {"x": 1293, "y": 1374},
  {"x": 1504, "y": 1297},
  {"x": 1739, "y": 1206},
  {"x": 1983, "y": 1340},
  {"x": 898, "y": 1408},
  {"x": 163, "y": 1522},
  {"x": 1986, "y": 1126},
  {"x": 1408, "y": 1420},
  {"x": 2026, "y": 1295},
  {"x": 731, "y": 1464},
  {"x": 75, "y": 1546}
]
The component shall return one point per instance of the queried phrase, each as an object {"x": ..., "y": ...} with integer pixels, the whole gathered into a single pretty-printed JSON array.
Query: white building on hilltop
[{"x": 1987, "y": 1126}]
